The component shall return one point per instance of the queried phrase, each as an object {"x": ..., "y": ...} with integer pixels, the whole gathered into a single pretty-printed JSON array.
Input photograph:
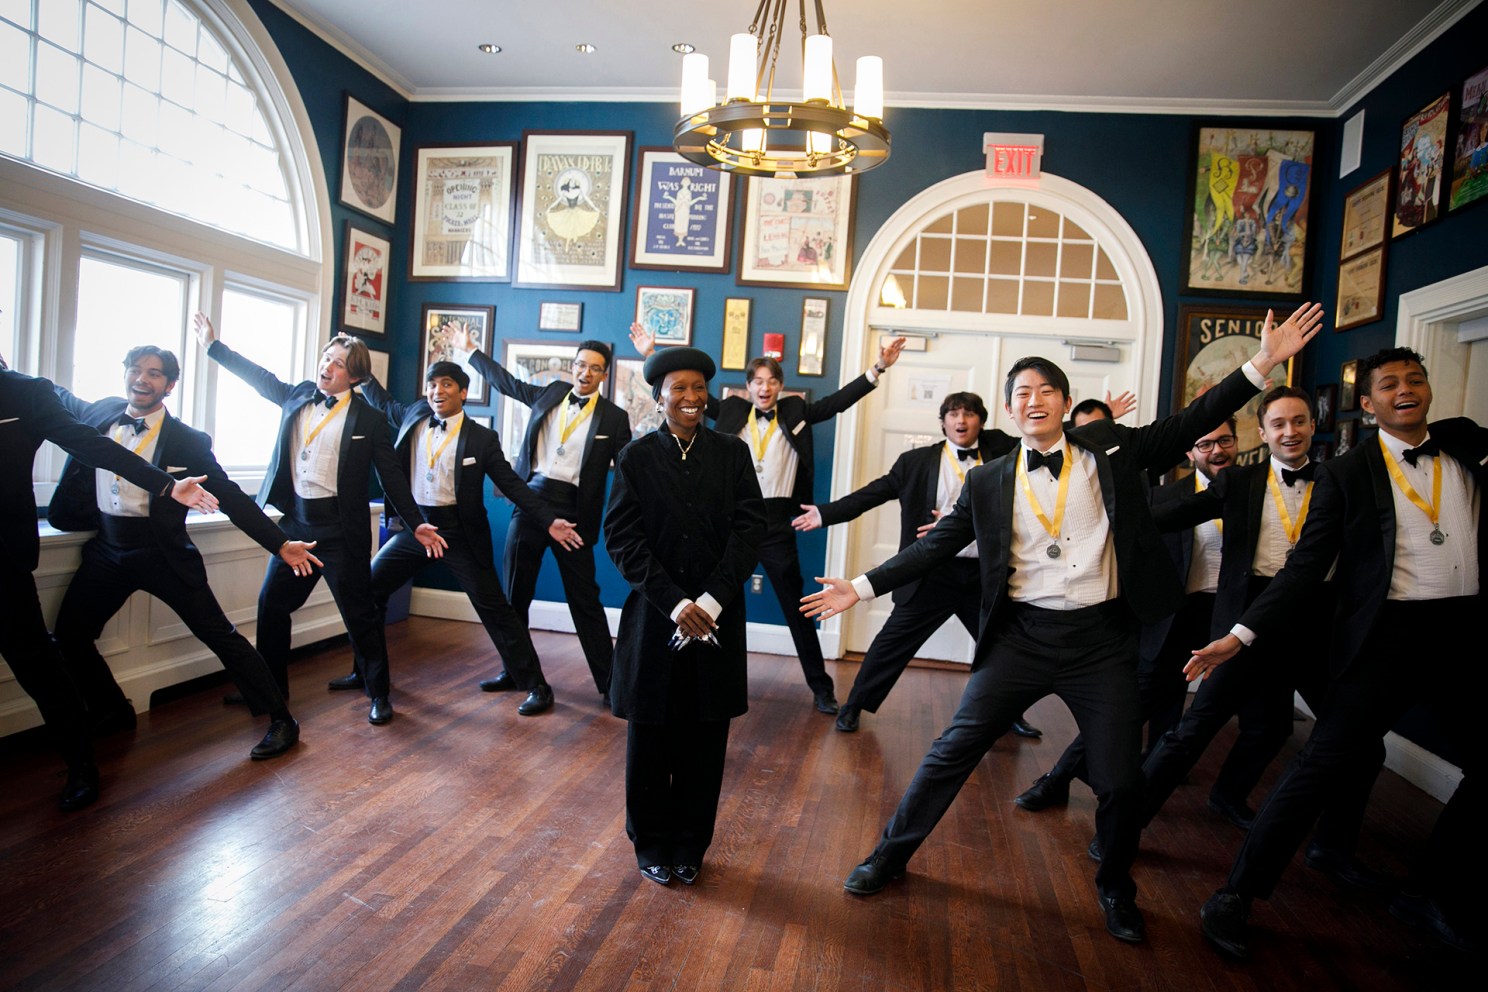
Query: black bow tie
[
  {"x": 1305, "y": 473},
  {"x": 969, "y": 455},
  {"x": 436, "y": 424},
  {"x": 574, "y": 399},
  {"x": 1430, "y": 448},
  {"x": 764, "y": 414},
  {"x": 1054, "y": 461},
  {"x": 138, "y": 423},
  {"x": 329, "y": 401}
]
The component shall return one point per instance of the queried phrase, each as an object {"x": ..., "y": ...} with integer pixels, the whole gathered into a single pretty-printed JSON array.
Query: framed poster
[
  {"x": 364, "y": 288},
  {"x": 436, "y": 344},
  {"x": 1348, "y": 397},
  {"x": 797, "y": 232},
  {"x": 682, "y": 217},
  {"x": 538, "y": 363},
  {"x": 1470, "y": 144},
  {"x": 633, "y": 395},
  {"x": 735, "y": 333},
  {"x": 813, "y": 335},
  {"x": 1212, "y": 343},
  {"x": 665, "y": 311},
  {"x": 572, "y": 208},
  {"x": 1348, "y": 434},
  {"x": 1248, "y": 205},
  {"x": 560, "y": 316},
  {"x": 369, "y": 162},
  {"x": 1366, "y": 214},
  {"x": 1361, "y": 290},
  {"x": 1418, "y": 181},
  {"x": 462, "y": 213}
]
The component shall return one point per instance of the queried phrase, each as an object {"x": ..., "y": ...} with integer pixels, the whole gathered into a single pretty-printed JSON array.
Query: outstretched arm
[{"x": 264, "y": 382}]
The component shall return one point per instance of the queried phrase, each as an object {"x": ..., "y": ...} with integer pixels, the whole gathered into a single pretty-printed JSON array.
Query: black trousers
[
  {"x": 526, "y": 543},
  {"x": 952, "y": 590},
  {"x": 347, "y": 568},
  {"x": 673, "y": 778},
  {"x": 403, "y": 557},
  {"x": 31, "y": 654},
  {"x": 781, "y": 561},
  {"x": 1393, "y": 672},
  {"x": 108, "y": 575},
  {"x": 1160, "y": 684},
  {"x": 1088, "y": 659}
]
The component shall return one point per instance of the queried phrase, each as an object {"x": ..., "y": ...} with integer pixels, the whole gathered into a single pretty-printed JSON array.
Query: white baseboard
[{"x": 1431, "y": 774}]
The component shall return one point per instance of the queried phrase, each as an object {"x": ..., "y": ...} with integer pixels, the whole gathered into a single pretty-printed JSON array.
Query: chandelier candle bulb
[
  {"x": 816, "y": 82},
  {"x": 696, "y": 95},
  {"x": 868, "y": 95},
  {"x": 742, "y": 80}
]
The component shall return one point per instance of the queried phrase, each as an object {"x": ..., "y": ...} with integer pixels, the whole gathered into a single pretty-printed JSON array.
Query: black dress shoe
[
  {"x": 1423, "y": 913},
  {"x": 352, "y": 681},
  {"x": 1123, "y": 919},
  {"x": 826, "y": 701},
  {"x": 282, "y": 735},
  {"x": 81, "y": 788},
  {"x": 116, "y": 720},
  {"x": 1348, "y": 871},
  {"x": 1045, "y": 791},
  {"x": 686, "y": 874},
  {"x": 847, "y": 718},
  {"x": 660, "y": 874},
  {"x": 539, "y": 700},
  {"x": 1238, "y": 813},
  {"x": 872, "y": 875},
  {"x": 1223, "y": 918},
  {"x": 1094, "y": 850},
  {"x": 501, "y": 683},
  {"x": 1023, "y": 728},
  {"x": 381, "y": 711}
]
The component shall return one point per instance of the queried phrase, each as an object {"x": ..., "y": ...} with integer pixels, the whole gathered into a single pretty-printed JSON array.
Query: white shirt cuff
[
  {"x": 1254, "y": 375},
  {"x": 871, "y": 375},
  {"x": 677, "y": 610},
  {"x": 710, "y": 606},
  {"x": 1244, "y": 633},
  {"x": 864, "y": 588}
]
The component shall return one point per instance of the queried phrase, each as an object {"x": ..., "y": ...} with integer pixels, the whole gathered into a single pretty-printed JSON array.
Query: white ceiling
[{"x": 1212, "y": 56}]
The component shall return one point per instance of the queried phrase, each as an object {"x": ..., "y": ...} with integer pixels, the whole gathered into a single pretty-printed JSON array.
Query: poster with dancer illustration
[
  {"x": 797, "y": 232},
  {"x": 572, "y": 206},
  {"x": 682, "y": 215}
]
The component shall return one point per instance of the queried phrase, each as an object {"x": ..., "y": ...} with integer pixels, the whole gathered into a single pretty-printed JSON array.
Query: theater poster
[
  {"x": 571, "y": 209},
  {"x": 682, "y": 215},
  {"x": 1212, "y": 343}
]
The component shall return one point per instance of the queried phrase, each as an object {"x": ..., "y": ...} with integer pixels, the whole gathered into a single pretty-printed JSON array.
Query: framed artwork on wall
[
  {"x": 1325, "y": 407},
  {"x": 1348, "y": 398},
  {"x": 560, "y": 316},
  {"x": 666, "y": 311},
  {"x": 364, "y": 289},
  {"x": 1248, "y": 209},
  {"x": 571, "y": 209},
  {"x": 462, "y": 213},
  {"x": 1419, "y": 177},
  {"x": 1212, "y": 343},
  {"x": 1470, "y": 144},
  {"x": 380, "y": 361},
  {"x": 436, "y": 321},
  {"x": 813, "y": 335},
  {"x": 369, "y": 162},
  {"x": 1361, "y": 290},
  {"x": 1348, "y": 434},
  {"x": 538, "y": 363},
  {"x": 735, "y": 333},
  {"x": 797, "y": 232},
  {"x": 633, "y": 395},
  {"x": 1366, "y": 215},
  {"x": 682, "y": 217}
]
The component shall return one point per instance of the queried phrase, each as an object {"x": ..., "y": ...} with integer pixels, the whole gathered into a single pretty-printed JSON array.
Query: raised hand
[
  {"x": 460, "y": 338},
  {"x": 810, "y": 520},
  {"x": 428, "y": 536},
  {"x": 189, "y": 492},
  {"x": 566, "y": 534},
  {"x": 201, "y": 326},
  {"x": 889, "y": 353},
  {"x": 837, "y": 596},
  {"x": 1280, "y": 342},
  {"x": 296, "y": 554},
  {"x": 1121, "y": 405},
  {"x": 644, "y": 340}
]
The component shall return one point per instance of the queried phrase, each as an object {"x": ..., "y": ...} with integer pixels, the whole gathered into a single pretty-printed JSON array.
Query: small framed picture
[
  {"x": 1361, "y": 290},
  {"x": 1348, "y": 398},
  {"x": 735, "y": 333},
  {"x": 666, "y": 311},
  {"x": 1324, "y": 406},
  {"x": 437, "y": 321},
  {"x": 681, "y": 218},
  {"x": 560, "y": 316},
  {"x": 369, "y": 162},
  {"x": 813, "y": 335},
  {"x": 633, "y": 395},
  {"x": 1470, "y": 159},
  {"x": 1366, "y": 216},
  {"x": 797, "y": 233},
  {"x": 1419, "y": 178},
  {"x": 572, "y": 203},
  {"x": 364, "y": 291},
  {"x": 462, "y": 213},
  {"x": 1348, "y": 433}
]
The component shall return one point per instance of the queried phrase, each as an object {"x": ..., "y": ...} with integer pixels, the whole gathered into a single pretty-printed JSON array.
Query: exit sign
[{"x": 1013, "y": 156}]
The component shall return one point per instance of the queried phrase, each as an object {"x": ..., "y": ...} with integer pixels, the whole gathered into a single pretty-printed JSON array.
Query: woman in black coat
[{"x": 684, "y": 525}]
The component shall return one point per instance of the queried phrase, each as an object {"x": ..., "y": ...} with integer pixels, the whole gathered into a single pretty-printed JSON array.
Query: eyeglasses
[
  {"x": 579, "y": 366},
  {"x": 1207, "y": 445}
]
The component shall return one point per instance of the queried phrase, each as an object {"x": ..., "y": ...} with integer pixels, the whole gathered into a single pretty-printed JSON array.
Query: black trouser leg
[
  {"x": 282, "y": 593},
  {"x": 397, "y": 561},
  {"x": 673, "y": 779},
  {"x": 29, "y": 651},
  {"x": 98, "y": 590},
  {"x": 508, "y": 632},
  {"x": 781, "y": 561},
  {"x": 1265, "y": 722},
  {"x": 576, "y": 569}
]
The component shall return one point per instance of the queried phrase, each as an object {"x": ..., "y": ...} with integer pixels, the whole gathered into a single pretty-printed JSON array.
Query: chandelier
[{"x": 753, "y": 133}]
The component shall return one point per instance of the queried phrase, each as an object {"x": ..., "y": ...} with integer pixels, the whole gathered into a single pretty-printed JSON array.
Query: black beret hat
[
  {"x": 665, "y": 360},
  {"x": 450, "y": 370}
]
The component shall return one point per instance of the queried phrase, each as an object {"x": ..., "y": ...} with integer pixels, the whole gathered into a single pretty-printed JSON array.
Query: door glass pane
[{"x": 10, "y": 278}]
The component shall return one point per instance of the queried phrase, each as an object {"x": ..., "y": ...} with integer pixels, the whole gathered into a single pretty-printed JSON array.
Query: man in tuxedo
[
  {"x": 1402, "y": 518},
  {"x": 142, "y": 543},
  {"x": 1069, "y": 567},
  {"x": 329, "y": 440},
  {"x": 778, "y": 430},
  {"x": 31, "y": 413},
  {"x": 449, "y": 456},
  {"x": 573, "y": 436},
  {"x": 926, "y": 482}
]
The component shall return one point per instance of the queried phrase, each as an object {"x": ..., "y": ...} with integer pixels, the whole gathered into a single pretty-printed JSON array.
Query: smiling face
[
  {"x": 333, "y": 376},
  {"x": 684, "y": 399},
  {"x": 1287, "y": 428},
  {"x": 1400, "y": 398},
  {"x": 962, "y": 427},
  {"x": 1214, "y": 450},
  {"x": 764, "y": 389},
  {"x": 146, "y": 385},
  {"x": 445, "y": 396},
  {"x": 1038, "y": 408},
  {"x": 590, "y": 371}
]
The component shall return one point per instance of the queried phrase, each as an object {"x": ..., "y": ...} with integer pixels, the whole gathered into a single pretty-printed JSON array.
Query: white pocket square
[
  {"x": 1112, "y": 451},
  {"x": 601, "y": 437},
  {"x": 797, "y": 429},
  {"x": 9, "y": 420},
  {"x": 175, "y": 468},
  {"x": 359, "y": 437},
  {"x": 468, "y": 461}
]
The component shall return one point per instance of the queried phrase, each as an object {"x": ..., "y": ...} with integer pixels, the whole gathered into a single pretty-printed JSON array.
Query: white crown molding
[
  {"x": 343, "y": 43},
  {"x": 1430, "y": 28}
]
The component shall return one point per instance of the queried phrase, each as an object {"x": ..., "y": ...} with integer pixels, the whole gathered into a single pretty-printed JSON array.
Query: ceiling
[{"x": 1214, "y": 56}]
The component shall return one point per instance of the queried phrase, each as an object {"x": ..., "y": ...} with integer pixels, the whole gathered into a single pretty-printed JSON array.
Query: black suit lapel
[
  {"x": 1255, "y": 505},
  {"x": 460, "y": 443},
  {"x": 1384, "y": 501}
]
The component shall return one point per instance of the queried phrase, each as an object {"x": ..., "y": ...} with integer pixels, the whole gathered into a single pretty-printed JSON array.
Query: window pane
[
  {"x": 142, "y": 60},
  {"x": 55, "y": 139},
  {"x": 98, "y": 155},
  {"x": 15, "y": 58},
  {"x": 112, "y": 6},
  {"x": 141, "y": 115},
  {"x": 13, "y": 129},
  {"x": 101, "y": 96},
  {"x": 180, "y": 28},
  {"x": 16, "y": 10},
  {"x": 107, "y": 329},
  {"x": 57, "y": 76},
  {"x": 103, "y": 40},
  {"x": 145, "y": 14},
  {"x": 264, "y": 330},
  {"x": 59, "y": 22},
  {"x": 10, "y": 276},
  {"x": 177, "y": 77}
]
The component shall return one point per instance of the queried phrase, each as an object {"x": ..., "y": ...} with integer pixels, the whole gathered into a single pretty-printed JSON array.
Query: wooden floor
[{"x": 464, "y": 847}]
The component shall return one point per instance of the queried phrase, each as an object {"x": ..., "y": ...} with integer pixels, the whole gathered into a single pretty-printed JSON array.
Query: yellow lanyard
[
  {"x": 761, "y": 442},
  {"x": 431, "y": 451},
  {"x": 955, "y": 461},
  {"x": 1432, "y": 509},
  {"x": 340, "y": 405},
  {"x": 567, "y": 427},
  {"x": 144, "y": 443},
  {"x": 1218, "y": 521},
  {"x": 1059, "y": 500},
  {"x": 1292, "y": 531}
]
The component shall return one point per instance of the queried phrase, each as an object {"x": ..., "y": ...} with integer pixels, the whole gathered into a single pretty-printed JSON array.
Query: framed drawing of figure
[
  {"x": 364, "y": 289},
  {"x": 571, "y": 209},
  {"x": 682, "y": 215},
  {"x": 797, "y": 233}
]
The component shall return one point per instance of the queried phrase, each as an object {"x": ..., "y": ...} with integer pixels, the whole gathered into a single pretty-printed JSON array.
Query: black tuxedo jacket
[
  {"x": 364, "y": 443},
  {"x": 795, "y": 417},
  {"x": 1123, "y": 456},
  {"x": 607, "y": 432},
  {"x": 180, "y": 451},
  {"x": 914, "y": 480},
  {"x": 1352, "y": 520},
  {"x": 31, "y": 413},
  {"x": 1179, "y": 544},
  {"x": 478, "y": 455}
]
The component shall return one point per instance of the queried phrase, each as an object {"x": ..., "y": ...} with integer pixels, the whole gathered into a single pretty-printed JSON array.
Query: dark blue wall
[{"x": 1136, "y": 162}]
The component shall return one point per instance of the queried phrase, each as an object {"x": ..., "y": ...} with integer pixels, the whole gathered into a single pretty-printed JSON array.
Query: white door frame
[{"x": 1426, "y": 320}]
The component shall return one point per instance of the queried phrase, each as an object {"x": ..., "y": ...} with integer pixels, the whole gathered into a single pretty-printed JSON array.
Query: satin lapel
[
  {"x": 167, "y": 435},
  {"x": 789, "y": 429},
  {"x": 540, "y": 411},
  {"x": 460, "y": 444},
  {"x": 591, "y": 429},
  {"x": 1006, "y": 493},
  {"x": 932, "y": 491},
  {"x": 353, "y": 414},
  {"x": 1255, "y": 505},
  {"x": 1384, "y": 501}
]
